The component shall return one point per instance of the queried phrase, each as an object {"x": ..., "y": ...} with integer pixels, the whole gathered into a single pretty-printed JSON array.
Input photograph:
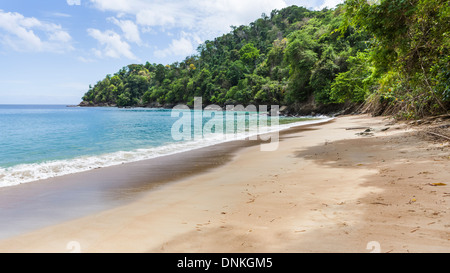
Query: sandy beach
[{"x": 327, "y": 188}]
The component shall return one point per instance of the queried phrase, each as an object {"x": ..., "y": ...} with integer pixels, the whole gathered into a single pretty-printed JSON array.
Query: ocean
[{"x": 44, "y": 141}]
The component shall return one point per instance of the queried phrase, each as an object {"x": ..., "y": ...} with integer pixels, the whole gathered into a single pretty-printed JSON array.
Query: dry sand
[{"x": 326, "y": 189}]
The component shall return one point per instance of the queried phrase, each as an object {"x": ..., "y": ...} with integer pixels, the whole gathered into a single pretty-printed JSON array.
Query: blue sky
[{"x": 50, "y": 51}]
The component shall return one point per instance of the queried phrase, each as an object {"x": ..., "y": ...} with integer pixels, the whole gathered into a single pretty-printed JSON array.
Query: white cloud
[
  {"x": 329, "y": 4},
  {"x": 178, "y": 47},
  {"x": 30, "y": 34},
  {"x": 74, "y": 2},
  {"x": 193, "y": 21},
  {"x": 85, "y": 60},
  {"x": 161, "y": 16},
  {"x": 206, "y": 18},
  {"x": 200, "y": 20},
  {"x": 125, "y": 6},
  {"x": 130, "y": 30},
  {"x": 60, "y": 14},
  {"x": 112, "y": 44}
]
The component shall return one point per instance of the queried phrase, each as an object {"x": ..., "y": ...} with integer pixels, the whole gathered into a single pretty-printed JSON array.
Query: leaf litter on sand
[{"x": 437, "y": 184}]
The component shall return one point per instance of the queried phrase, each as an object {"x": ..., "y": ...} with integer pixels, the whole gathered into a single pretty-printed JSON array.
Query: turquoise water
[
  {"x": 42, "y": 141},
  {"x": 35, "y": 134}
]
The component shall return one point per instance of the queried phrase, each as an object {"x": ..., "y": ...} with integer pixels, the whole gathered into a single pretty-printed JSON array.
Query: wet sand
[
  {"x": 38, "y": 204},
  {"x": 327, "y": 188}
]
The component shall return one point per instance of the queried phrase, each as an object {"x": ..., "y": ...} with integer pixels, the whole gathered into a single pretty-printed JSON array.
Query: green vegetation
[
  {"x": 408, "y": 71},
  {"x": 391, "y": 57}
]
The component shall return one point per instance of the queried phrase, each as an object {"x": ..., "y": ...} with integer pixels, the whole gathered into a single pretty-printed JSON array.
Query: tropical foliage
[{"x": 391, "y": 56}]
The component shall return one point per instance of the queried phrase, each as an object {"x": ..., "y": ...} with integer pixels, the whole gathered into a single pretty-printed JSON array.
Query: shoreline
[
  {"x": 22, "y": 208},
  {"x": 325, "y": 189},
  {"x": 38, "y": 171}
]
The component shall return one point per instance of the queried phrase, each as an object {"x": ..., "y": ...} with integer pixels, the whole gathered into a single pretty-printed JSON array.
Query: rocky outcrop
[{"x": 88, "y": 104}]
